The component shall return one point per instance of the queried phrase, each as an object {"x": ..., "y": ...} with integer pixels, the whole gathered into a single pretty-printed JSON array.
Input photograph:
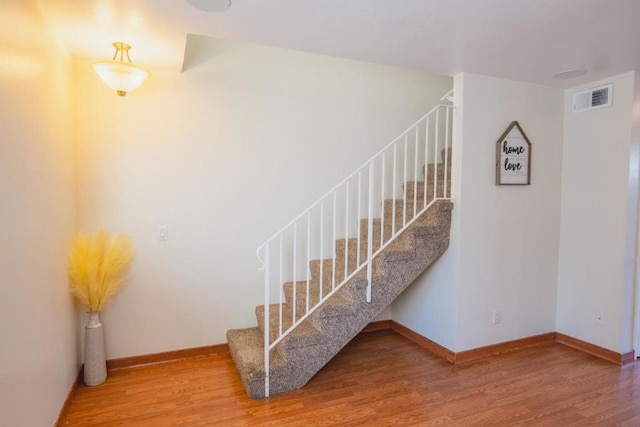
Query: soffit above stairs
[{"x": 524, "y": 40}]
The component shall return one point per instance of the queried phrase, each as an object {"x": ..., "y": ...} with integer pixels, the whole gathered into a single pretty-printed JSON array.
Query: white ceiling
[{"x": 526, "y": 40}]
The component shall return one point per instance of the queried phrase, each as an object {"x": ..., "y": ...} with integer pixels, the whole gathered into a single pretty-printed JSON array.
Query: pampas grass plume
[{"x": 98, "y": 267}]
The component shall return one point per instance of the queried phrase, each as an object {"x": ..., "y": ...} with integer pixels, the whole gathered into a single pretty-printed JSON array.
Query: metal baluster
[
  {"x": 282, "y": 284},
  {"x": 308, "y": 258},
  {"x": 446, "y": 153},
  {"x": 370, "y": 233},
  {"x": 359, "y": 217},
  {"x": 415, "y": 175},
  {"x": 426, "y": 159},
  {"x": 266, "y": 320},
  {"x": 321, "y": 248},
  {"x": 382, "y": 198},
  {"x": 435, "y": 156},
  {"x": 393, "y": 202},
  {"x": 404, "y": 184},
  {"x": 295, "y": 260},
  {"x": 346, "y": 233},
  {"x": 333, "y": 268}
]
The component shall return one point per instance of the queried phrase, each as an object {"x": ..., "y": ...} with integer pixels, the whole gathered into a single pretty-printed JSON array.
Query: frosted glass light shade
[{"x": 120, "y": 76}]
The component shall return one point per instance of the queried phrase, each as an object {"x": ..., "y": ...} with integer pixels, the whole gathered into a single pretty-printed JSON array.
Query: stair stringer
[{"x": 301, "y": 354}]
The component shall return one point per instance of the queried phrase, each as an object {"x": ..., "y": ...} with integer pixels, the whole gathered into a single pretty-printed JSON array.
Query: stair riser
[
  {"x": 408, "y": 190},
  {"x": 278, "y": 327},
  {"x": 301, "y": 294}
]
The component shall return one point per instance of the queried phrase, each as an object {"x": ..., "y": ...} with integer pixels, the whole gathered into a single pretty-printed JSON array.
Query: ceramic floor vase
[{"x": 95, "y": 362}]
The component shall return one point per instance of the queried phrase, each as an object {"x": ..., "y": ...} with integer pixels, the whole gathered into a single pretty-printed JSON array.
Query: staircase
[{"x": 336, "y": 285}]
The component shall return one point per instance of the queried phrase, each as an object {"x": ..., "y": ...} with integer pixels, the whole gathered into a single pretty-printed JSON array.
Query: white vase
[{"x": 95, "y": 362}]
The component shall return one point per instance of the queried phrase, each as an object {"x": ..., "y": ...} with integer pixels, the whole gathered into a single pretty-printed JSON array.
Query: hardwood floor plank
[{"x": 379, "y": 379}]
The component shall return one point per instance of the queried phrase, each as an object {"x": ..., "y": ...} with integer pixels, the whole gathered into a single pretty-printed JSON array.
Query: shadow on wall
[{"x": 201, "y": 49}]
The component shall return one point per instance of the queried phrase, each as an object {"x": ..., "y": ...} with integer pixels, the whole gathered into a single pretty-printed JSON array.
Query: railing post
[
  {"x": 370, "y": 232},
  {"x": 266, "y": 321}
]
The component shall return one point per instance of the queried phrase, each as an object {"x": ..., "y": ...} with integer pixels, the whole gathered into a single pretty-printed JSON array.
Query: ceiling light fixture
[
  {"x": 569, "y": 74},
  {"x": 120, "y": 75}
]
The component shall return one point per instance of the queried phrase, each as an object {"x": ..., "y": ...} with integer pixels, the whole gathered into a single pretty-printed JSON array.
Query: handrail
[
  {"x": 334, "y": 188},
  {"x": 447, "y": 95},
  {"x": 323, "y": 224}
]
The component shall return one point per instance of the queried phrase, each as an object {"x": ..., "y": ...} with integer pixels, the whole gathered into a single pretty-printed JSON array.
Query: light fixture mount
[
  {"x": 122, "y": 48},
  {"x": 120, "y": 75}
]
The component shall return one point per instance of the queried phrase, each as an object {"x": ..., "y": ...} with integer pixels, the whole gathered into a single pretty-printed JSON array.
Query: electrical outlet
[
  {"x": 497, "y": 317},
  {"x": 164, "y": 233}
]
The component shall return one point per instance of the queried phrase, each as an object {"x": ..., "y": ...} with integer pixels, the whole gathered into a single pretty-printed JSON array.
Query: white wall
[
  {"x": 599, "y": 217},
  {"x": 39, "y": 349},
  {"x": 504, "y": 247},
  {"x": 430, "y": 305},
  {"x": 224, "y": 154}
]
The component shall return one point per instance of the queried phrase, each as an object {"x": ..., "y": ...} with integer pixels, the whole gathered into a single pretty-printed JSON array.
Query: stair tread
[
  {"x": 303, "y": 329},
  {"x": 246, "y": 345}
]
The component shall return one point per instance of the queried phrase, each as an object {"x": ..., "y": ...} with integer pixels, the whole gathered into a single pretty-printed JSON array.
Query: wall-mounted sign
[{"x": 513, "y": 157}]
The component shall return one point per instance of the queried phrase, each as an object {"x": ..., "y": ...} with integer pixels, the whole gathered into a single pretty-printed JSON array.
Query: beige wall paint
[
  {"x": 224, "y": 154},
  {"x": 503, "y": 253},
  {"x": 599, "y": 219},
  {"x": 39, "y": 348}
]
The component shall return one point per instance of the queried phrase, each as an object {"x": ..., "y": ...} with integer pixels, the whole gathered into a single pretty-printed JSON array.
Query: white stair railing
[{"x": 289, "y": 254}]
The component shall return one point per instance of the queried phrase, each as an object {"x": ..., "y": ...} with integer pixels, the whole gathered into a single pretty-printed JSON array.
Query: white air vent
[{"x": 592, "y": 99}]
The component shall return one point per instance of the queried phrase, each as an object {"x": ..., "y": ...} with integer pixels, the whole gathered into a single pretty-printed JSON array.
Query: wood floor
[{"x": 379, "y": 379}]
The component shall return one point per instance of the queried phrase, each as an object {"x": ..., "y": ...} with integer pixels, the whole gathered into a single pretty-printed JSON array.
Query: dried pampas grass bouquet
[{"x": 98, "y": 267}]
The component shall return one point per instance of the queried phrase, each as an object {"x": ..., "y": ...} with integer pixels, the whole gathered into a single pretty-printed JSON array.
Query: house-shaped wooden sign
[{"x": 513, "y": 157}]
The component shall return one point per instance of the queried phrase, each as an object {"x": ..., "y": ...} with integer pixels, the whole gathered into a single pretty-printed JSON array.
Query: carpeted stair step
[
  {"x": 301, "y": 294},
  {"x": 306, "y": 329},
  {"x": 443, "y": 155},
  {"x": 376, "y": 229},
  {"x": 409, "y": 186},
  {"x": 246, "y": 347},
  {"x": 328, "y": 267},
  {"x": 404, "y": 212},
  {"x": 429, "y": 169}
]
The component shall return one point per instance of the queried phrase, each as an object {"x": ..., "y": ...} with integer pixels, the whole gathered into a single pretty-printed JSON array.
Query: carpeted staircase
[{"x": 301, "y": 354}]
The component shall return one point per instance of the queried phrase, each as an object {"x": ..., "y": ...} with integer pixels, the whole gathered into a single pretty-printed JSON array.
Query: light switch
[{"x": 164, "y": 233}]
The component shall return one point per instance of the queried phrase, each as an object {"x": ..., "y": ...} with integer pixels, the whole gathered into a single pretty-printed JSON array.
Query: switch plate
[
  {"x": 497, "y": 317},
  {"x": 164, "y": 233}
]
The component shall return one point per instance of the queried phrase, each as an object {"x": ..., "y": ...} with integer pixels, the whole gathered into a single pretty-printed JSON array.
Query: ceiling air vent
[{"x": 592, "y": 99}]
